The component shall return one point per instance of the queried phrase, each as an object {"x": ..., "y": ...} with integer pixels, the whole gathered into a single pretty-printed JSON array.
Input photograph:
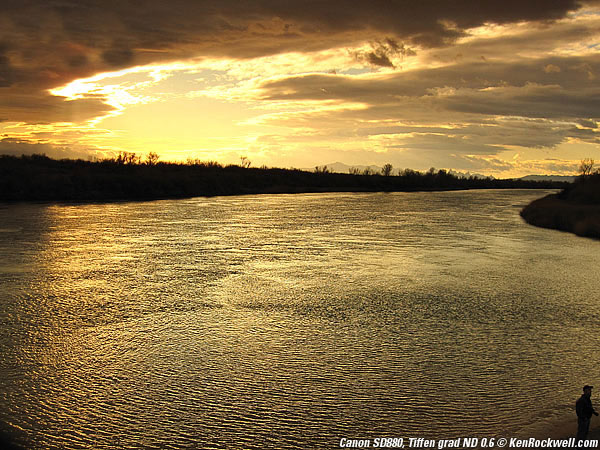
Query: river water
[{"x": 291, "y": 321}]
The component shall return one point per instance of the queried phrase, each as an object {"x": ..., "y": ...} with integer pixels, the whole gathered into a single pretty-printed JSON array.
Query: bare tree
[
  {"x": 386, "y": 171},
  {"x": 244, "y": 162},
  {"x": 368, "y": 171},
  {"x": 127, "y": 158},
  {"x": 152, "y": 159},
  {"x": 586, "y": 168},
  {"x": 321, "y": 169}
]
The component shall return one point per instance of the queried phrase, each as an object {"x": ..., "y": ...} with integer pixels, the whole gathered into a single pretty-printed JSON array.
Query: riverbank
[
  {"x": 39, "y": 178},
  {"x": 568, "y": 429},
  {"x": 556, "y": 426},
  {"x": 563, "y": 428},
  {"x": 576, "y": 209}
]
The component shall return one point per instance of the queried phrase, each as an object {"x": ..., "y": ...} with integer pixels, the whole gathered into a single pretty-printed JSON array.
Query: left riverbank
[{"x": 39, "y": 178}]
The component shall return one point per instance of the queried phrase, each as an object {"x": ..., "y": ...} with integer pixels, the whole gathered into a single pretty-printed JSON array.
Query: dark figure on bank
[{"x": 584, "y": 410}]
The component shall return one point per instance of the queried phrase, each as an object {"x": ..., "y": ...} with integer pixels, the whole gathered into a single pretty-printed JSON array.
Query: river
[{"x": 291, "y": 321}]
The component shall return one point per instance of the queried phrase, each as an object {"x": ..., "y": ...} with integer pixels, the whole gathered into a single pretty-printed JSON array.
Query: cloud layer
[
  {"x": 458, "y": 81},
  {"x": 44, "y": 44}
]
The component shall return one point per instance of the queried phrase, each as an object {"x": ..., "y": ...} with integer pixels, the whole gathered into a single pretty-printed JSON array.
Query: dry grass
[{"x": 553, "y": 212}]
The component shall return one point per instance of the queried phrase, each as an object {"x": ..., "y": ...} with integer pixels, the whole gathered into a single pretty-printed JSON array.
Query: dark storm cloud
[
  {"x": 47, "y": 43},
  {"x": 118, "y": 55},
  {"x": 7, "y": 74},
  {"x": 485, "y": 108},
  {"x": 471, "y": 138},
  {"x": 588, "y": 123},
  {"x": 33, "y": 107},
  {"x": 519, "y": 89},
  {"x": 529, "y": 101},
  {"x": 382, "y": 53}
]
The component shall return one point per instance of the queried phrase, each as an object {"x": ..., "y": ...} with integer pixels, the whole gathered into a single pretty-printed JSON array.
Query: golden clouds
[{"x": 437, "y": 82}]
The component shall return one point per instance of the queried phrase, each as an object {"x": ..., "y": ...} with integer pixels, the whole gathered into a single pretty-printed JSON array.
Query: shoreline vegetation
[
  {"x": 126, "y": 177},
  {"x": 576, "y": 209}
]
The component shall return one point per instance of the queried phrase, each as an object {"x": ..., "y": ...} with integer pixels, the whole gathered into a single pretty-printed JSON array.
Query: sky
[{"x": 504, "y": 88}]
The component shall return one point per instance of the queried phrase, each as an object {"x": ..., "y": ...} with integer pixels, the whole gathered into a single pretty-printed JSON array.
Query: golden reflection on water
[{"x": 289, "y": 321}]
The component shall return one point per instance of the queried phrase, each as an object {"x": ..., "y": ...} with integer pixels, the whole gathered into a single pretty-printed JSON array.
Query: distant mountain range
[{"x": 339, "y": 167}]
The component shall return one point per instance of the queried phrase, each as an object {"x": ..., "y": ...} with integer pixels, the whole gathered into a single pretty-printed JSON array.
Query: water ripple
[{"x": 289, "y": 321}]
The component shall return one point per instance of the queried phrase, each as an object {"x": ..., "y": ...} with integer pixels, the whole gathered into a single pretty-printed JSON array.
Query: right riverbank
[{"x": 576, "y": 209}]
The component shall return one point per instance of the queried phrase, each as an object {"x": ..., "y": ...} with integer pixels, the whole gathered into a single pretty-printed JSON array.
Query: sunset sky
[{"x": 504, "y": 88}]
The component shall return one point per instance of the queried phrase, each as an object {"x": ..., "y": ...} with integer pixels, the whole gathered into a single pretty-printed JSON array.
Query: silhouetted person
[{"x": 584, "y": 410}]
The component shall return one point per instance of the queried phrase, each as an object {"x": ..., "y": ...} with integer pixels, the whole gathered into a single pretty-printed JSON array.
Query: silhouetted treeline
[
  {"x": 575, "y": 209},
  {"x": 37, "y": 177}
]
